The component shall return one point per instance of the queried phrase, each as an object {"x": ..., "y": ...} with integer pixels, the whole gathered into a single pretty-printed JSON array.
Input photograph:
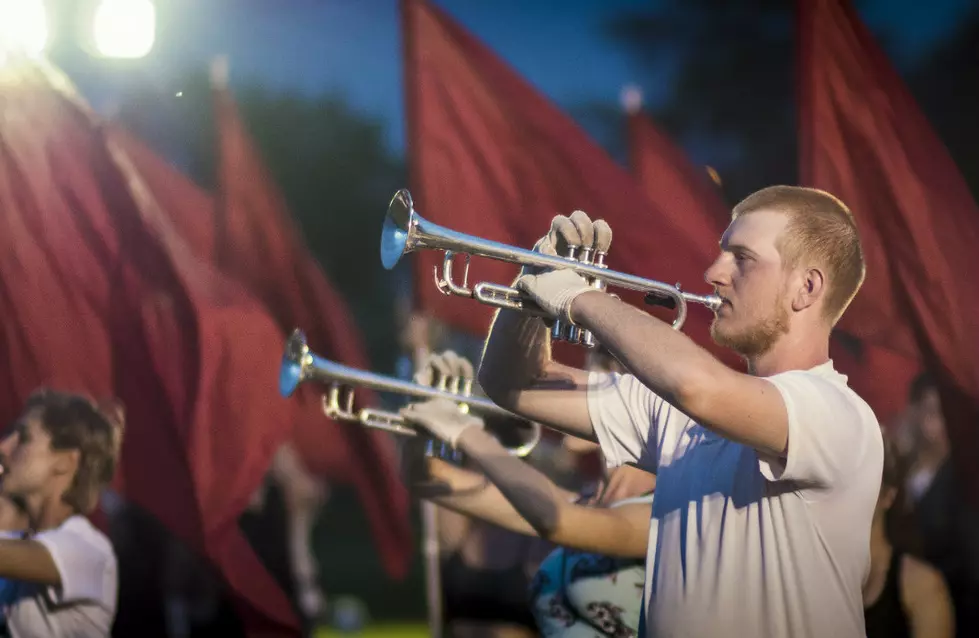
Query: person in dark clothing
[
  {"x": 904, "y": 597},
  {"x": 946, "y": 522}
]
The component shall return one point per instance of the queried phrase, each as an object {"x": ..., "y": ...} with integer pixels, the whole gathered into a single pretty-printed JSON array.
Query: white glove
[
  {"x": 445, "y": 370},
  {"x": 554, "y": 291},
  {"x": 574, "y": 231},
  {"x": 442, "y": 417}
]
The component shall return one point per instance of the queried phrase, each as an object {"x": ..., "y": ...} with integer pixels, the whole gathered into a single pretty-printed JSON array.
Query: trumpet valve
[
  {"x": 587, "y": 338},
  {"x": 573, "y": 334},
  {"x": 559, "y": 331}
]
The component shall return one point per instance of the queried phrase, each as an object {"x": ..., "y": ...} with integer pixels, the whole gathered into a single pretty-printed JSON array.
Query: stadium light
[
  {"x": 23, "y": 27},
  {"x": 124, "y": 28}
]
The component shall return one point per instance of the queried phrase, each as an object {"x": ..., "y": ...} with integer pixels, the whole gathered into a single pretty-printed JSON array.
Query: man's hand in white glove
[
  {"x": 554, "y": 291},
  {"x": 443, "y": 418},
  {"x": 575, "y": 231}
]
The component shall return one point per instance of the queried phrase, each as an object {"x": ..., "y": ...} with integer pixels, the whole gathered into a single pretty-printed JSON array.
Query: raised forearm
[
  {"x": 472, "y": 494},
  {"x": 532, "y": 495},
  {"x": 663, "y": 359},
  {"x": 515, "y": 355}
]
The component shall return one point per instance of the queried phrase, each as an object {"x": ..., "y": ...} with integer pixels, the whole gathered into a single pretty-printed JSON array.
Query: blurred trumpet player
[{"x": 591, "y": 583}]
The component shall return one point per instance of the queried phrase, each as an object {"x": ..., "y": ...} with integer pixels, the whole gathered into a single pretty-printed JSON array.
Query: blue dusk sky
[{"x": 307, "y": 46}]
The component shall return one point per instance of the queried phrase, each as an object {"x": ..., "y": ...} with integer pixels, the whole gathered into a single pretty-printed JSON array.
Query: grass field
[{"x": 379, "y": 630}]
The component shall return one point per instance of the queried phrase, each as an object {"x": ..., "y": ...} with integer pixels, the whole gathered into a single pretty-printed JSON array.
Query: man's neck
[{"x": 791, "y": 352}]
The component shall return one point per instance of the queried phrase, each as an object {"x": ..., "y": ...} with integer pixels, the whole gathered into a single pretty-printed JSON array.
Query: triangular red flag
[
  {"x": 864, "y": 139},
  {"x": 335, "y": 451},
  {"x": 101, "y": 295},
  {"x": 261, "y": 245},
  {"x": 490, "y": 156}
]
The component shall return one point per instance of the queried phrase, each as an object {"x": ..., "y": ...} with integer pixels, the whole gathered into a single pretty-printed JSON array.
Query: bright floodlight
[
  {"x": 125, "y": 28},
  {"x": 23, "y": 27}
]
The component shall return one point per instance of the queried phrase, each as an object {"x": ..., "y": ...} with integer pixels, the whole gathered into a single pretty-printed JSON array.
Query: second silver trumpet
[{"x": 300, "y": 365}]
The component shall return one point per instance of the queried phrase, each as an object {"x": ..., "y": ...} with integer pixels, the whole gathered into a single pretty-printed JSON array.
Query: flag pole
[{"x": 430, "y": 545}]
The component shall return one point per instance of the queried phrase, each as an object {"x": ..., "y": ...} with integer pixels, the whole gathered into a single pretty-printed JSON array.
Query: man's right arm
[{"x": 518, "y": 373}]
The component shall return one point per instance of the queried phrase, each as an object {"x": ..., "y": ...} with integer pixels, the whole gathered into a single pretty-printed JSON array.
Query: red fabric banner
[
  {"x": 100, "y": 294},
  {"x": 251, "y": 237},
  {"x": 864, "y": 139},
  {"x": 260, "y": 244},
  {"x": 491, "y": 157}
]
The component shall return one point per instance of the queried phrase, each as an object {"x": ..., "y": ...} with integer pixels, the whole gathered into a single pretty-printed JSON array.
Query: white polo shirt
[{"x": 741, "y": 546}]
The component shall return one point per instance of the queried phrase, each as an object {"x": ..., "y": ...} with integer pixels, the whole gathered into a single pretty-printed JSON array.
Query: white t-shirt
[
  {"x": 741, "y": 546},
  {"x": 84, "y": 606}
]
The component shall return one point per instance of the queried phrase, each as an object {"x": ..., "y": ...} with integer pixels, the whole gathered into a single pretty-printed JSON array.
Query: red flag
[
  {"x": 99, "y": 294},
  {"x": 344, "y": 454},
  {"x": 865, "y": 140},
  {"x": 261, "y": 245},
  {"x": 490, "y": 156}
]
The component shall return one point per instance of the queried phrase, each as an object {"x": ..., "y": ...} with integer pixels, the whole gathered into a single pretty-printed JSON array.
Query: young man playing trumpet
[{"x": 766, "y": 481}]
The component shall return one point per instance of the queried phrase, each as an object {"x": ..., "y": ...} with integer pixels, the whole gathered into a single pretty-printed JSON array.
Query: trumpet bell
[
  {"x": 397, "y": 229},
  {"x": 292, "y": 372}
]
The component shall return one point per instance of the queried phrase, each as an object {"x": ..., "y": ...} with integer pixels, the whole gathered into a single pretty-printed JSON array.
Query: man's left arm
[{"x": 737, "y": 406}]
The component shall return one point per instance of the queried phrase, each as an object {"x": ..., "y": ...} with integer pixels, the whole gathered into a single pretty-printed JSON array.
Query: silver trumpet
[
  {"x": 405, "y": 231},
  {"x": 300, "y": 365}
]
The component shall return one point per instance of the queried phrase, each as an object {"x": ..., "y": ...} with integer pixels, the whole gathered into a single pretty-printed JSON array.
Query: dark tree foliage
[{"x": 732, "y": 83}]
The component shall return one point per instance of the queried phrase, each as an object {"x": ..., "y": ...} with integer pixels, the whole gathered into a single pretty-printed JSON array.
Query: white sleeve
[
  {"x": 85, "y": 561},
  {"x": 831, "y": 432},
  {"x": 623, "y": 412}
]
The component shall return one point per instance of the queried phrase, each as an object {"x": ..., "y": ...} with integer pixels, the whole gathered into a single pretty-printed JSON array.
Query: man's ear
[{"x": 811, "y": 288}]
